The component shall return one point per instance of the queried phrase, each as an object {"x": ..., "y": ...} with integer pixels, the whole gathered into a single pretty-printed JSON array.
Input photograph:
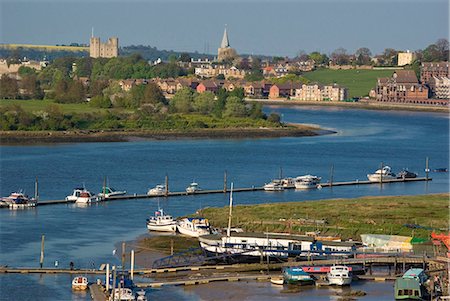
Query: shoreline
[
  {"x": 364, "y": 105},
  {"x": 42, "y": 137}
]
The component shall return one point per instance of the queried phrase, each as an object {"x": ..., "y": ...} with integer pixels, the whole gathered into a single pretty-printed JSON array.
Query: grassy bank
[
  {"x": 163, "y": 243},
  {"x": 347, "y": 218},
  {"x": 358, "y": 82}
]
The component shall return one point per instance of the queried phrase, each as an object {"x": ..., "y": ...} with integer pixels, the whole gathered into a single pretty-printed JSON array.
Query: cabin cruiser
[
  {"x": 275, "y": 185},
  {"x": 307, "y": 182},
  {"x": 194, "y": 226},
  {"x": 288, "y": 182},
  {"x": 157, "y": 190},
  {"x": 296, "y": 275},
  {"x": 161, "y": 222},
  {"x": 412, "y": 285},
  {"x": 109, "y": 192},
  {"x": 406, "y": 174},
  {"x": 381, "y": 175},
  {"x": 79, "y": 283},
  {"x": 193, "y": 187},
  {"x": 339, "y": 275},
  {"x": 18, "y": 200},
  {"x": 86, "y": 197},
  {"x": 122, "y": 294}
]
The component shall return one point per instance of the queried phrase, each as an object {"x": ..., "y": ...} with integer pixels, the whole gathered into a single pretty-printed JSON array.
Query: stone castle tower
[
  {"x": 108, "y": 49},
  {"x": 225, "y": 52}
]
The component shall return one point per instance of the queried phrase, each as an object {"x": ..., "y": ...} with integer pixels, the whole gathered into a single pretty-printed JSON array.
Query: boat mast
[{"x": 231, "y": 208}]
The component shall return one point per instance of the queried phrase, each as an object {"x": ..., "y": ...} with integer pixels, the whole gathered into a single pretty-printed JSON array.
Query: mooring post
[
  {"x": 331, "y": 175},
  {"x": 381, "y": 174},
  {"x": 225, "y": 182},
  {"x": 132, "y": 265},
  {"x": 36, "y": 190},
  {"x": 123, "y": 256},
  {"x": 167, "y": 185},
  {"x": 114, "y": 283},
  {"x": 107, "y": 277},
  {"x": 171, "y": 246},
  {"x": 41, "y": 261},
  {"x": 104, "y": 187},
  {"x": 427, "y": 168}
]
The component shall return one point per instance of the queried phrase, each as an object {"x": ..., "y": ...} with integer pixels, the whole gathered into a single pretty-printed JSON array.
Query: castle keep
[{"x": 107, "y": 50}]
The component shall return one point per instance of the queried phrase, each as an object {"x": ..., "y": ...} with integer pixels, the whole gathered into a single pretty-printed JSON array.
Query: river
[{"x": 87, "y": 236}]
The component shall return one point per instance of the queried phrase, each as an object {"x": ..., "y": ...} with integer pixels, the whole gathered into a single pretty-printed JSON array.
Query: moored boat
[
  {"x": 157, "y": 190},
  {"x": 339, "y": 275},
  {"x": 382, "y": 175},
  {"x": 79, "y": 283},
  {"x": 406, "y": 174},
  {"x": 288, "y": 182},
  {"x": 86, "y": 197},
  {"x": 122, "y": 294},
  {"x": 194, "y": 226},
  {"x": 18, "y": 200},
  {"x": 307, "y": 182},
  {"x": 411, "y": 286},
  {"x": 161, "y": 222},
  {"x": 275, "y": 185},
  {"x": 193, "y": 187},
  {"x": 109, "y": 192},
  {"x": 277, "y": 280},
  {"x": 296, "y": 275}
]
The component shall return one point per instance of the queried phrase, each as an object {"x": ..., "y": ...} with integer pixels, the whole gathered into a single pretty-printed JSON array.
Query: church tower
[{"x": 225, "y": 52}]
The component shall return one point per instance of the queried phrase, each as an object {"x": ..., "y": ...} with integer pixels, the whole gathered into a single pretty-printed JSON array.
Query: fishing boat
[
  {"x": 296, "y": 275},
  {"x": 307, "y": 182},
  {"x": 18, "y": 200},
  {"x": 275, "y": 185},
  {"x": 193, "y": 187},
  {"x": 86, "y": 197},
  {"x": 161, "y": 222},
  {"x": 194, "y": 226},
  {"x": 109, "y": 192},
  {"x": 382, "y": 175},
  {"x": 411, "y": 286},
  {"x": 157, "y": 190},
  {"x": 79, "y": 283},
  {"x": 339, "y": 275},
  {"x": 122, "y": 294},
  {"x": 406, "y": 174}
]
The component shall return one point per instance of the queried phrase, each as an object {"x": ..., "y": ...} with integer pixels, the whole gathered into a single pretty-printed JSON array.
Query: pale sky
[{"x": 258, "y": 27}]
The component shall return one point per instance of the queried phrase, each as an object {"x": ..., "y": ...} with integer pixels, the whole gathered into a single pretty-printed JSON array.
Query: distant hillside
[{"x": 152, "y": 53}]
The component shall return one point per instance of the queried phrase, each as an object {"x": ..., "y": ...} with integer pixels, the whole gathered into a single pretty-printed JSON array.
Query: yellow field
[{"x": 45, "y": 47}]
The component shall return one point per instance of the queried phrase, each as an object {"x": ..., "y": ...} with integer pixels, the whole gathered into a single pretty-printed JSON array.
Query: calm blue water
[{"x": 87, "y": 236}]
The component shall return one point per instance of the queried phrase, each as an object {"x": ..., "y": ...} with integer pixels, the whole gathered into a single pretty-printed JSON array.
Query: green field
[
  {"x": 38, "y": 105},
  {"x": 358, "y": 82},
  {"x": 347, "y": 218}
]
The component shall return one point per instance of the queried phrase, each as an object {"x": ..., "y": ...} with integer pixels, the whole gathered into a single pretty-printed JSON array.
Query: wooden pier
[{"x": 235, "y": 190}]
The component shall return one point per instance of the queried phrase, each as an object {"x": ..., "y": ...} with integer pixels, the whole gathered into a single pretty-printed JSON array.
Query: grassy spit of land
[{"x": 347, "y": 218}]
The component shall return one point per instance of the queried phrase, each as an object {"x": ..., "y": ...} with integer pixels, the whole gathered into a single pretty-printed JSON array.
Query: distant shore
[
  {"x": 355, "y": 105},
  {"x": 34, "y": 137}
]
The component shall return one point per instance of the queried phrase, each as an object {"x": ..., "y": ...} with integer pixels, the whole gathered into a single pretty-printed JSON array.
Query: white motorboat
[
  {"x": 161, "y": 222},
  {"x": 18, "y": 200},
  {"x": 157, "y": 190},
  {"x": 79, "y": 283},
  {"x": 122, "y": 294},
  {"x": 307, "y": 182},
  {"x": 86, "y": 197},
  {"x": 288, "y": 182},
  {"x": 339, "y": 275},
  {"x": 382, "y": 175},
  {"x": 193, "y": 187},
  {"x": 109, "y": 192},
  {"x": 194, "y": 226},
  {"x": 275, "y": 185},
  {"x": 75, "y": 194}
]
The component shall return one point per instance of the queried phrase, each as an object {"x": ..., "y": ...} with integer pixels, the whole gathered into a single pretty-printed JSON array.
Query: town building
[
  {"x": 285, "y": 90},
  {"x": 402, "y": 87},
  {"x": 405, "y": 58},
  {"x": 432, "y": 70},
  {"x": 441, "y": 87},
  {"x": 208, "y": 71},
  {"x": 317, "y": 92},
  {"x": 107, "y": 50},
  {"x": 225, "y": 52}
]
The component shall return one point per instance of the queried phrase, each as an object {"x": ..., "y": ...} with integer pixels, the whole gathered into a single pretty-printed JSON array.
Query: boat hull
[
  {"x": 191, "y": 233},
  {"x": 377, "y": 178},
  {"x": 339, "y": 280},
  {"x": 162, "y": 228}
]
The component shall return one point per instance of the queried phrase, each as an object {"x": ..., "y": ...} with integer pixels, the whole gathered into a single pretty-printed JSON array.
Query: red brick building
[
  {"x": 402, "y": 87},
  {"x": 207, "y": 85},
  {"x": 283, "y": 90}
]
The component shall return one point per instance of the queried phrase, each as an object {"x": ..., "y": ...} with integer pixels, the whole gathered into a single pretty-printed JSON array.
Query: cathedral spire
[{"x": 225, "y": 42}]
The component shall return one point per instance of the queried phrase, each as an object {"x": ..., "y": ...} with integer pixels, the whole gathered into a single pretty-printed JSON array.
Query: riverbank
[
  {"x": 33, "y": 137},
  {"x": 365, "y": 105}
]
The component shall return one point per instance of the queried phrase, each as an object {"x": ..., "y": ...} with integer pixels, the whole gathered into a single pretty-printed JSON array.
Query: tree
[
  {"x": 238, "y": 92},
  {"x": 24, "y": 71},
  {"x": 222, "y": 95},
  {"x": 274, "y": 118},
  {"x": 302, "y": 56},
  {"x": 100, "y": 102},
  {"x": 235, "y": 107},
  {"x": 363, "y": 56},
  {"x": 182, "y": 101},
  {"x": 319, "y": 58},
  {"x": 8, "y": 87},
  {"x": 204, "y": 102},
  {"x": 340, "y": 56},
  {"x": 443, "y": 48},
  {"x": 31, "y": 87},
  {"x": 256, "y": 111},
  {"x": 390, "y": 57}
]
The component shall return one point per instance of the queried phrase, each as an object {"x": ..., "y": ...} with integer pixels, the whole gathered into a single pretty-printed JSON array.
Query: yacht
[
  {"x": 86, "y": 197},
  {"x": 382, "y": 175},
  {"x": 194, "y": 226},
  {"x": 307, "y": 182},
  {"x": 161, "y": 222},
  {"x": 18, "y": 200},
  {"x": 339, "y": 275},
  {"x": 158, "y": 190},
  {"x": 79, "y": 283},
  {"x": 109, "y": 192},
  {"x": 288, "y": 182},
  {"x": 275, "y": 185},
  {"x": 193, "y": 187},
  {"x": 75, "y": 194},
  {"x": 122, "y": 294}
]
